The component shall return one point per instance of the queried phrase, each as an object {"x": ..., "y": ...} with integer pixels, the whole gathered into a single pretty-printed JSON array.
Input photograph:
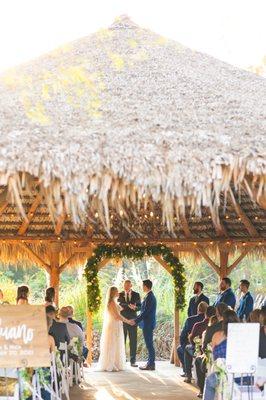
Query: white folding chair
[{"x": 64, "y": 373}]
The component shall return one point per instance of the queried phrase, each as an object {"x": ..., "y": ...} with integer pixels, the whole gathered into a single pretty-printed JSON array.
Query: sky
[{"x": 231, "y": 30}]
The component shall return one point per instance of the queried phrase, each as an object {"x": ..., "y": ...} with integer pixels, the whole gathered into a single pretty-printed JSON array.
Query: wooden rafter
[
  {"x": 220, "y": 229},
  {"x": 103, "y": 263},
  {"x": 67, "y": 262},
  {"x": 59, "y": 224},
  {"x": 3, "y": 206},
  {"x": 35, "y": 257},
  {"x": 244, "y": 218},
  {"x": 25, "y": 224},
  {"x": 185, "y": 226},
  {"x": 239, "y": 259},
  {"x": 163, "y": 263},
  {"x": 90, "y": 229},
  {"x": 203, "y": 253},
  {"x": 249, "y": 241}
]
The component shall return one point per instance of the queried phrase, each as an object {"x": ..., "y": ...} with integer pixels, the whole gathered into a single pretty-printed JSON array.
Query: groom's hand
[
  {"x": 132, "y": 306},
  {"x": 132, "y": 322}
]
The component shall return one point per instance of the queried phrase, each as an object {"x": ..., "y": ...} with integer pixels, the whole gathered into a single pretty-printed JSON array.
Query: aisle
[{"x": 133, "y": 384}]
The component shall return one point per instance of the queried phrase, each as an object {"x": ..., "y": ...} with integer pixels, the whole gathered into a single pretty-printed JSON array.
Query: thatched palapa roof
[{"x": 124, "y": 121}]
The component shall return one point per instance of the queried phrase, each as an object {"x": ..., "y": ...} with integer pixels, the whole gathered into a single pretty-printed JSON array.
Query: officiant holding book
[{"x": 130, "y": 303}]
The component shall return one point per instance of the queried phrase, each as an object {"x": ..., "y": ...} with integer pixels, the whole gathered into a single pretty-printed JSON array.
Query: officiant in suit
[{"x": 130, "y": 303}]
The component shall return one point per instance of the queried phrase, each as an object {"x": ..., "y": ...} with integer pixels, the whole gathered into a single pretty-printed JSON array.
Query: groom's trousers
[
  {"x": 148, "y": 337},
  {"x": 131, "y": 332}
]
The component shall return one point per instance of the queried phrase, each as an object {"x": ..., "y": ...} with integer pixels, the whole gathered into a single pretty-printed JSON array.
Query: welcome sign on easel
[{"x": 23, "y": 337}]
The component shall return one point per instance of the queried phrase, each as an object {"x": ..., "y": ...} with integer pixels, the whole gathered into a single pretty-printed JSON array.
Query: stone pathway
[{"x": 133, "y": 384}]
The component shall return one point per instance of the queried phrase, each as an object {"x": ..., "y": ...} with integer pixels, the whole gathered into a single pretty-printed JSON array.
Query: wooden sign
[{"x": 23, "y": 337}]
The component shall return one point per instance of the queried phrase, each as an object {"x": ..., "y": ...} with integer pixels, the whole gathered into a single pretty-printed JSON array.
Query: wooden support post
[
  {"x": 176, "y": 337},
  {"x": 55, "y": 248},
  {"x": 224, "y": 256},
  {"x": 89, "y": 337},
  {"x": 90, "y": 321},
  {"x": 174, "y": 358}
]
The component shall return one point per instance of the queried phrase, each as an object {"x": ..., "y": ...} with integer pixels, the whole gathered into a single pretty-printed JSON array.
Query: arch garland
[{"x": 134, "y": 253}]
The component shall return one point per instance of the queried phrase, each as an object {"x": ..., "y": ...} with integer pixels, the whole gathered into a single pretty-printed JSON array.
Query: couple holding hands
[{"x": 121, "y": 321}]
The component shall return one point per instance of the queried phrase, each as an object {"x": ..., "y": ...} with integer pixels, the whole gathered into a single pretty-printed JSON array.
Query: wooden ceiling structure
[{"x": 54, "y": 246}]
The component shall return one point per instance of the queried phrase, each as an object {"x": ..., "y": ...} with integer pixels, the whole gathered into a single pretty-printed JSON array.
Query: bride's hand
[{"x": 131, "y": 322}]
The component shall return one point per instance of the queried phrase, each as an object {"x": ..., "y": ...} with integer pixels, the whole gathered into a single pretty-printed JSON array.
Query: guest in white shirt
[{"x": 73, "y": 329}]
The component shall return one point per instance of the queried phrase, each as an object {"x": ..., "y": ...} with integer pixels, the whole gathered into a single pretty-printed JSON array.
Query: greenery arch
[{"x": 134, "y": 253}]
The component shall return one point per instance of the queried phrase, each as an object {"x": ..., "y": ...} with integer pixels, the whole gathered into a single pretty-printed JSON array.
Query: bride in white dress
[{"x": 112, "y": 346}]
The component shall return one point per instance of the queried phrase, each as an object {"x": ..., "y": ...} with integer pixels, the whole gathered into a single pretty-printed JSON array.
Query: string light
[
  {"x": 244, "y": 243},
  {"x": 151, "y": 214},
  {"x": 227, "y": 217},
  {"x": 211, "y": 242},
  {"x": 96, "y": 215}
]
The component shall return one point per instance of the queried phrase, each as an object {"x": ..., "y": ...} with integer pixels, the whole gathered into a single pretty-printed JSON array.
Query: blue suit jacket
[
  {"x": 194, "y": 302},
  {"x": 190, "y": 322},
  {"x": 147, "y": 317},
  {"x": 245, "y": 306},
  {"x": 226, "y": 297}
]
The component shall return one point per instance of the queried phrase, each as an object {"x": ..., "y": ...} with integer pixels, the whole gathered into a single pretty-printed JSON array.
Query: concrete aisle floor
[{"x": 133, "y": 384}]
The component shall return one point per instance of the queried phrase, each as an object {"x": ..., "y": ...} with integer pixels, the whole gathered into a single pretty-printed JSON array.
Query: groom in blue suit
[{"x": 147, "y": 322}]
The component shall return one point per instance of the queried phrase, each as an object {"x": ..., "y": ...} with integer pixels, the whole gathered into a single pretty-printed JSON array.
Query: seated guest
[
  {"x": 58, "y": 329},
  {"x": 207, "y": 338},
  {"x": 211, "y": 330},
  {"x": 254, "y": 316},
  {"x": 226, "y": 294},
  {"x": 50, "y": 337},
  {"x": 219, "y": 344},
  {"x": 73, "y": 329},
  {"x": 190, "y": 322},
  {"x": 262, "y": 342},
  {"x": 246, "y": 302},
  {"x": 49, "y": 297},
  {"x": 21, "y": 301},
  {"x": 195, "y": 300},
  {"x": 23, "y": 293},
  {"x": 197, "y": 331},
  {"x": 70, "y": 317}
]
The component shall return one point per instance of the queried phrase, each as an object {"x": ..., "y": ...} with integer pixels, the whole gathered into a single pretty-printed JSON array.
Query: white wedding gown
[{"x": 112, "y": 346}]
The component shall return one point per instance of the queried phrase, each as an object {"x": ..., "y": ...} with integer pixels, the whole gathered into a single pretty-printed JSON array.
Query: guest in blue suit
[
  {"x": 147, "y": 322},
  {"x": 195, "y": 300},
  {"x": 246, "y": 302},
  {"x": 190, "y": 322},
  {"x": 226, "y": 294}
]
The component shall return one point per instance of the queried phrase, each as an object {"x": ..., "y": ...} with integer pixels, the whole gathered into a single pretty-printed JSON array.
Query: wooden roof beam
[
  {"x": 25, "y": 224},
  {"x": 220, "y": 229},
  {"x": 185, "y": 226},
  {"x": 59, "y": 224},
  {"x": 35, "y": 257},
  {"x": 163, "y": 264},
  {"x": 239, "y": 259},
  {"x": 3, "y": 206},
  {"x": 244, "y": 218},
  {"x": 206, "y": 257}
]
